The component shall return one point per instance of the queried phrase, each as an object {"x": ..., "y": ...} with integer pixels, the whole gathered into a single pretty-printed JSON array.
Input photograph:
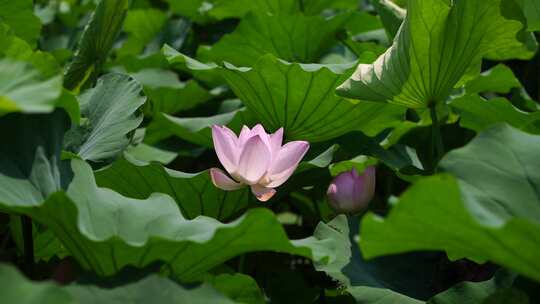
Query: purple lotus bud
[{"x": 350, "y": 192}]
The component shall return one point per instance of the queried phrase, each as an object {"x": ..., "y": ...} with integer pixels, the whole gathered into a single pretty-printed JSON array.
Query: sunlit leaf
[
  {"x": 438, "y": 43},
  {"x": 300, "y": 98}
]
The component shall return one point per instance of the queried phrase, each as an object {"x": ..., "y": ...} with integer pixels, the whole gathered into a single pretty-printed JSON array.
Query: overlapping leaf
[
  {"x": 17, "y": 49},
  {"x": 438, "y": 43},
  {"x": 106, "y": 231},
  {"x": 109, "y": 112},
  {"x": 490, "y": 212},
  {"x": 15, "y": 288},
  {"x": 479, "y": 114},
  {"x": 194, "y": 193},
  {"x": 169, "y": 95},
  {"x": 196, "y": 129},
  {"x": 96, "y": 42},
  {"x": 300, "y": 98}
]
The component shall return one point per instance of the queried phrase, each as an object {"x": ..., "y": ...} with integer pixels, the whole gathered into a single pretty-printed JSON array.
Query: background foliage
[{"x": 105, "y": 116}]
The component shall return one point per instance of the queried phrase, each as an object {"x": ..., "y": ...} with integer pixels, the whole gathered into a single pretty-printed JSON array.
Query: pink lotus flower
[
  {"x": 255, "y": 158},
  {"x": 350, "y": 192}
]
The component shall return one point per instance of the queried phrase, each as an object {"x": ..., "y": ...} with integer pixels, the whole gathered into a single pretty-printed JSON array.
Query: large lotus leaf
[
  {"x": 15, "y": 288},
  {"x": 400, "y": 278},
  {"x": 109, "y": 112},
  {"x": 490, "y": 212},
  {"x": 300, "y": 98},
  {"x": 24, "y": 89},
  {"x": 499, "y": 175},
  {"x": 105, "y": 231},
  {"x": 19, "y": 15},
  {"x": 404, "y": 277},
  {"x": 97, "y": 40},
  {"x": 295, "y": 38},
  {"x": 438, "y": 43},
  {"x": 194, "y": 193},
  {"x": 478, "y": 114}
]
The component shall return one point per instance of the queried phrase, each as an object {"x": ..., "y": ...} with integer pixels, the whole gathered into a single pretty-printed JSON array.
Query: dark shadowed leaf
[
  {"x": 490, "y": 211},
  {"x": 96, "y": 42},
  {"x": 15, "y": 288}
]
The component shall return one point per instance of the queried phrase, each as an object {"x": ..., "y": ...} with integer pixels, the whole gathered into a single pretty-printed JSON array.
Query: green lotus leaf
[
  {"x": 24, "y": 89},
  {"x": 18, "y": 49},
  {"x": 300, "y": 98},
  {"x": 169, "y": 95},
  {"x": 19, "y": 15},
  {"x": 490, "y": 210},
  {"x": 296, "y": 38},
  {"x": 16, "y": 288},
  {"x": 106, "y": 231},
  {"x": 438, "y": 43},
  {"x": 531, "y": 9},
  {"x": 109, "y": 115},
  {"x": 479, "y": 114},
  {"x": 141, "y": 25},
  {"x": 96, "y": 42},
  {"x": 194, "y": 193}
]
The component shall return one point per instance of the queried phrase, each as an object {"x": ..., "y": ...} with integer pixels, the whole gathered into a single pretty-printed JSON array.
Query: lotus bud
[
  {"x": 350, "y": 192},
  {"x": 255, "y": 158}
]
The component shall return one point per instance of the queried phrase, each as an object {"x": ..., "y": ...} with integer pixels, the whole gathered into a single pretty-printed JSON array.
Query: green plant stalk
[
  {"x": 28, "y": 242},
  {"x": 437, "y": 146}
]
